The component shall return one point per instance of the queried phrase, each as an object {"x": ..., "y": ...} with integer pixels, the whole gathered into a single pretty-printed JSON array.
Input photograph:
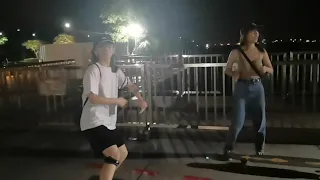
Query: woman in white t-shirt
[{"x": 100, "y": 98}]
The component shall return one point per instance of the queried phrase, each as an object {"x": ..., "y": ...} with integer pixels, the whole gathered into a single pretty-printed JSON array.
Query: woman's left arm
[{"x": 267, "y": 65}]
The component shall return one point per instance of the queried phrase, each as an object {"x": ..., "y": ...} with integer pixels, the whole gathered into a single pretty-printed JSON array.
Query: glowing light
[
  {"x": 134, "y": 30},
  {"x": 1, "y": 34},
  {"x": 34, "y": 34},
  {"x": 207, "y": 46},
  {"x": 67, "y": 25},
  {"x": 18, "y": 30},
  {"x": 88, "y": 35}
]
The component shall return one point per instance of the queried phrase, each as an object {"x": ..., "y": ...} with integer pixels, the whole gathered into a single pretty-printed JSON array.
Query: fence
[{"x": 187, "y": 90}]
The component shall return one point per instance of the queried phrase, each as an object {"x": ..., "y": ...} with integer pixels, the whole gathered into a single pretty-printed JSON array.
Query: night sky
[{"x": 202, "y": 20}]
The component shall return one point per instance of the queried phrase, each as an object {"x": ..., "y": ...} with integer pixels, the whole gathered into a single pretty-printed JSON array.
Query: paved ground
[{"x": 169, "y": 154}]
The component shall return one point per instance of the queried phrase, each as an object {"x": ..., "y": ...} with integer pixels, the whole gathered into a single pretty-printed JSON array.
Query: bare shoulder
[
  {"x": 234, "y": 53},
  {"x": 264, "y": 53}
]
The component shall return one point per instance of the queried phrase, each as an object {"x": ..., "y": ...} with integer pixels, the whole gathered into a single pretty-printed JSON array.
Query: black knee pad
[{"x": 111, "y": 160}]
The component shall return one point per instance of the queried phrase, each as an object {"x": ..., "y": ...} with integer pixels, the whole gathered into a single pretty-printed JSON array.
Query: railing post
[
  {"x": 143, "y": 88},
  {"x": 180, "y": 74},
  {"x": 284, "y": 77},
  {"x": 149, "y": 91},
  {"x": 292, "y": 79},
  {"x": 314, "y": 86}
]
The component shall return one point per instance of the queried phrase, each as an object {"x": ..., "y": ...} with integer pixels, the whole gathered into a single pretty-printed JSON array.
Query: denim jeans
[{"x": 249, "y": 101}]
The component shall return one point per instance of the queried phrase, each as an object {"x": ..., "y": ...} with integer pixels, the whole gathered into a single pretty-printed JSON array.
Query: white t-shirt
[{"x": 107, "y": 85}]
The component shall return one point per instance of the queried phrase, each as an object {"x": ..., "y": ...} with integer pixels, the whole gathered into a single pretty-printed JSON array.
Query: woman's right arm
[
  {"x": 232, "y": 59},
  {"x": 91, "y": 81},
  {"x": 96, "y": 99}
]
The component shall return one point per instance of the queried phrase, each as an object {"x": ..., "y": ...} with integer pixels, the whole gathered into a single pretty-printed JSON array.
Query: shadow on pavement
[
  {"x": 275, "y": 160},
  {"x": 24, "y": 152},
  {"x": 256, "y": 171},
  {"x": 95, "y": 177}
]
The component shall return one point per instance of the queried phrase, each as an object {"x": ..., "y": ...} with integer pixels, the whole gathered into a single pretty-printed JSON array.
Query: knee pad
[{"x": 111, "y": 160}]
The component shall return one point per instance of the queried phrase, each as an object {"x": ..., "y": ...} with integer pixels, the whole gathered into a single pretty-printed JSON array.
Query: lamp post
[
  {"x": 67, "y": 25},
  {"x": 134, "y": 31}
]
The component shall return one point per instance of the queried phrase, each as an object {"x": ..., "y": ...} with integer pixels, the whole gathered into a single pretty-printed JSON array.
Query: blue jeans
[{"x": 249, "y": 101}]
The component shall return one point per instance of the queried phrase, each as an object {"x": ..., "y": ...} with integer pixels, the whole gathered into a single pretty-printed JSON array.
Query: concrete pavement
[{"x": 170, "y": 154}]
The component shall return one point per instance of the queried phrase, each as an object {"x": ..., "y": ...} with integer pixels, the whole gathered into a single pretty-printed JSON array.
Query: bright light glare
[
  {"x": 1, "y": 34},
  {"x": 34, "y": 34},
  {"x": 18, "y": 30},
  {"x": 207, "y": 46},
  {"x": 67, "y": 25},
  {"x": 134, "y": 30}
]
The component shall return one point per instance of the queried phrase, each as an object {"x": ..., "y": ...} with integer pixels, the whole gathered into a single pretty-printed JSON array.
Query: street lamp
[
  {"x": 67, "y": 25},
  {"x": 135, "y": 31}
]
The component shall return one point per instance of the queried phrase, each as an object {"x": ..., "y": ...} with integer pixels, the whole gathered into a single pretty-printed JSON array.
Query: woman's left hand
[{"x": 265, "y": 69}]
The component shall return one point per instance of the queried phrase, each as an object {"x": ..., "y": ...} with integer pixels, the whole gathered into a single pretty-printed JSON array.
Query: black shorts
[{"x": 101, "y": 138}]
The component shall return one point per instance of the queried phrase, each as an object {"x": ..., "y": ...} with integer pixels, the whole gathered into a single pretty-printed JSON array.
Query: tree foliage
[
  {"x": 64, "y": 39},
  {"x": 3, "y": 40},
  {"x": 33, "y": 45},
  {"x": 117, "y": 15},
  {"x": 147, "y": 46}
]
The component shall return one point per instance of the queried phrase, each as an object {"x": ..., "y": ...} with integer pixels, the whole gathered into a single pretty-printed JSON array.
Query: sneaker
[
  {"x": 226, "y": 155},
  {"x": 260, "y": 153}
]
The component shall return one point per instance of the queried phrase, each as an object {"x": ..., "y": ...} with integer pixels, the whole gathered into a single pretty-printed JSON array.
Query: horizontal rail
[{"x": 178, "y": 92}]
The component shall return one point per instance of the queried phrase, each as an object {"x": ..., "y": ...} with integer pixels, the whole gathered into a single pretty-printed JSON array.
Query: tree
[
  {"x": 64, "y": 39},
  {"x": 3, "y": 40},
  {"x": 117, "y": 15},
  {"x": 147, "y": 46},
  {"x": 33, "y": 45}
]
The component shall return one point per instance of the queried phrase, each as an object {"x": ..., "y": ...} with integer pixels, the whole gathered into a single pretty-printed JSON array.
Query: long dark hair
[
  {"x": 244, "y": 37},
  {"x": 95, "y": 59}
]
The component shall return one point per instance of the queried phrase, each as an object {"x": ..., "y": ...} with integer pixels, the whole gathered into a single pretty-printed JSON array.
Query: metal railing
[{"x": 180, "y": 90}]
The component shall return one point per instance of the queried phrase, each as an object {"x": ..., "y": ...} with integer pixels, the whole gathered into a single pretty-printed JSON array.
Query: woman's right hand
[
  {"x": 235, "y": 75},
  {"x": 122, "y": 102}
]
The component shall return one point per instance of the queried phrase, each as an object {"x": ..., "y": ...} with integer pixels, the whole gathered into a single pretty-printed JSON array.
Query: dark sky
[{"x": 201, "y": 20}]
